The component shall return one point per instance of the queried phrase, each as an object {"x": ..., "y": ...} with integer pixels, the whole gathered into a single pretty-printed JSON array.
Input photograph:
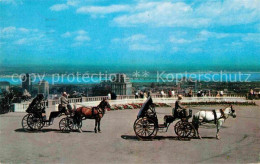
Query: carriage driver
[
  {"x": 65, "y": 103},
  {"x": 179, "y": 111}
]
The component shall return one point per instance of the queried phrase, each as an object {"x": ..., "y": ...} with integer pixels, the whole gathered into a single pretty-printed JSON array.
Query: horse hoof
[
  {"x": 99, "y": 131},
  {"x": 80, "y": 130}
]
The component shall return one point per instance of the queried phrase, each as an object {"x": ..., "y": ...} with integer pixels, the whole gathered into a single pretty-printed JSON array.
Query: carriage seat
[
  {"x": 54, "y": 114},
  {"x": 169, "y": 118}
]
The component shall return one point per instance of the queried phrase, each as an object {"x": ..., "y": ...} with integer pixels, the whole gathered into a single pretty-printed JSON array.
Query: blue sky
[{"x": 215, "y": 33}]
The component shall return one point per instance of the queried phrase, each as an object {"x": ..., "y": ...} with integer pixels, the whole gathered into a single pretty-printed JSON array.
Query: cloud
[
  {"x": 8, "y": 30},
  {"x": 180, "y": 14},
  {"x": 79, "y": 37},
  {"x": 203, "y": 35},
  {"x": 82, "y": 38},
  {"x": 30, "y": 40},
  {"x": 13, "y": 2},
  {"x": 25, "y": 30},
  {"x": 66, "y": 35},
  {"x": 14, "y": 32},
  {"x": 173, "y": 39},
  {"x": 138, "y": 42},
  {"x": 64, "y": 6},
  {"x": 24, "y": 37},
  {"x": 143, "y": 47},
  {"x": 161, "y": 14},
  {"x": 59, "y": 7},
  {"x": 251, "y": 37},
  {"x": 94, "y": 10}
]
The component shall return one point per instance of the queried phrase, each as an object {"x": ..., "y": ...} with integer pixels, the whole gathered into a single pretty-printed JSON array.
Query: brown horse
[{"x": 93, "y": 113}]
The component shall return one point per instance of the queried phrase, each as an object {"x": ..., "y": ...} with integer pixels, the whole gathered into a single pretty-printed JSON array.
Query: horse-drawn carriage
[
  {"x": 146, "y": 125},
  {"x": 35, "y": 120}
]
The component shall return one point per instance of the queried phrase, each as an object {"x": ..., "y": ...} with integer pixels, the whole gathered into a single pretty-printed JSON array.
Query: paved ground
[{"x": 240, "y": 142}]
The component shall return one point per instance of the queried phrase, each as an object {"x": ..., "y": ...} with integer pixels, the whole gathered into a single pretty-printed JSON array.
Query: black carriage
[
  {"x": 35, "y": 120},
  {"x": 146, "y": 125}
]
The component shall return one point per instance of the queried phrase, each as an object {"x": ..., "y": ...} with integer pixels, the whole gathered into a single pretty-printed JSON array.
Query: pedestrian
[
  {"x": 109, "y": 96},
  {"x": 136, "y": 95},
  {"x": 173, "y": 93}
]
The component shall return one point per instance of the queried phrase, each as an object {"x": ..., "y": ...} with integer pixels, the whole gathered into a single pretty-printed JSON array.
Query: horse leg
[
  {"x": 219, "y": 123},
  {"x": 196, "y": 126},
  {"x": 95, "y": 126},
  {"x": 99, "y": 120},
  {"x": 197, "y": 129}
]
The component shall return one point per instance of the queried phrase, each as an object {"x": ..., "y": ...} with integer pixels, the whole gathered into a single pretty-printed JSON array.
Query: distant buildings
[
  {"x": 27, "y": 83},
  {"x": 121, "y": 85},
  {"x": 43, "y": 88},
  {"x": 4, "y": 86}
]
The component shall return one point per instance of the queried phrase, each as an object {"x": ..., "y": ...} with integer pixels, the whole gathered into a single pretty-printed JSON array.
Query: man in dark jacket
[{"x": 179, "y": 111}]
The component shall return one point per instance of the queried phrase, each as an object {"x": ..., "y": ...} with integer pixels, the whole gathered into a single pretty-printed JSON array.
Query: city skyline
[{"x": 193, "y": 35}]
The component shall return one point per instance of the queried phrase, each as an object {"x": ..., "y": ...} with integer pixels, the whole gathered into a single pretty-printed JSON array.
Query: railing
[{"x": 21, "y": 107}]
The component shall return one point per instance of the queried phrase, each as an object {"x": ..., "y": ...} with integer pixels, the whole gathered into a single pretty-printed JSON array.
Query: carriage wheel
[
  {"x": 193, "y": 133},
  {"x": 64, "y": 125},
  {"x": 145, "y": 128},
  {"x": 183, "y": 129},
  {"x": 35, "y": 123},
  {"x": 25, "y": 123}
]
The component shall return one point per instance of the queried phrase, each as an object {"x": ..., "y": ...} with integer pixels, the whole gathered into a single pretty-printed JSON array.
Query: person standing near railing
[
  {"x": 173, "y": 93},
  {"x": 109, "y": 96}
]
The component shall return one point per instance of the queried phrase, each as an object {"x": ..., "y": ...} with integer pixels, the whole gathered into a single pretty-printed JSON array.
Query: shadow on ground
[
  {"x": 135, "y": 138},
  {"x": 21, "y": 130}
]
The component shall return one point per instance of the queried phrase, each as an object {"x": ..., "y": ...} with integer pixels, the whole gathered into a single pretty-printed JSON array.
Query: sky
[{"x": 186, "y": 34}]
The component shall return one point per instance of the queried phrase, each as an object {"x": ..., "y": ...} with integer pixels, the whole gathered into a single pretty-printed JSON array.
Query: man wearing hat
[
  {"x": 65, "y": 102},
  {"x": 179, "y": 110}
]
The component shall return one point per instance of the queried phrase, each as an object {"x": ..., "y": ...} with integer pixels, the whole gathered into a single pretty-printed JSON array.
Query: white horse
[{"x": 208, "y": 117}]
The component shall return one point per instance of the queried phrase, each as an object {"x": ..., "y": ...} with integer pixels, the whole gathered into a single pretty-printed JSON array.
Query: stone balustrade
[{"x": 126, "y": 99}]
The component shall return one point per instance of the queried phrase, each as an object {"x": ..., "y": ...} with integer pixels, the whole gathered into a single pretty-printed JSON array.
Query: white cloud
[
  {"x": 194, "y": 50},
  {"x": 64, "y": 6},
  {"x": 72, "y": 2},
  {"x": 25, "y": 30},
  {"x": 143, "y": 47},
  {"x": 136, "y": 37},
  {"x": 161, "y": 14},
  {"x": 21, "y": 41},
  {"x": 59, "y": 7},
  {"x": 173, "y": 39},
  {"x": 251, "y": 37},
  {"x": 8, "y": 30},
  {"x": 204, "y": 35},
  {"x": 81, "y": 32},
  {"x": 30, "y": 40},
  {"x": 180, "y": 14},
  {"x": 23, "y": 36},
  {"x": 79, "y": 37},
  {"x": 13, "y": 2},
  {"x": 66, "y": 35},
  {"x": 16, "y": 32},
  {"x": 138, "y": 42},
  {"x": 103, "y": 9},
  {"x": 82, "y": 38}
]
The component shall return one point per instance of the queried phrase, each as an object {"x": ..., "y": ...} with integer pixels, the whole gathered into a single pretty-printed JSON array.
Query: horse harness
[
  {"x": 215, "y": 115},
  {"x": 98, "y": 110}
]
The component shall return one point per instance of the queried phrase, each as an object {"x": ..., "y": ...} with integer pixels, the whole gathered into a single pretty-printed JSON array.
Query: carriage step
[{"x": 161, "y": 126}]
